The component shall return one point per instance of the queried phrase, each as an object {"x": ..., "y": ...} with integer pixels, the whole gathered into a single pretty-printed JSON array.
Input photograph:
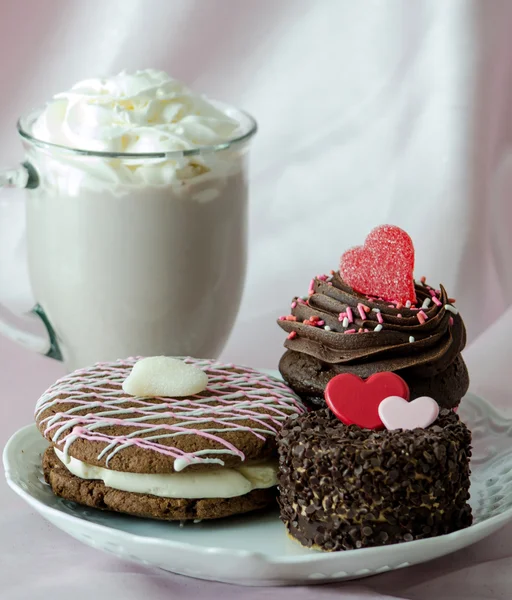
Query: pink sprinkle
[
  {"x": 294, "y": 304},
  {"x": 312, "y": 287},
  {"x": 361, "y": 311},
  {"x": 436, "y": 301},
  {"x": 379, "y": 318},
  {"x": 421, "y": 318},
  {"x": 320, "y": 323},
  {"x": 414, "y": 308},
  {"x": 329, "y": 283},
  {"x": 423, "y": 314},
  {"x": 291, "y": 318},
  {"x": 366, "y": 330},
  {"x": 399, "y": 315},
  {"x": 391, "y": 305},
  {"x": 291, "y": 335},
  {"x": 282, "y": 318},
  {"x": 322, "y": 277},
  {"x": 450, "y": 320},
  {"x": 341, "y": 316},
  {"x": 399, "y": 305},
  {"x": 432, "y": 293},
  {"x": 350, "y": 331},
  {"x": 438, "y": 292},
  {"x": 350, "y": 315},
  {"x": 301, "y": 301},
  {"x": 314, "y": 318}
]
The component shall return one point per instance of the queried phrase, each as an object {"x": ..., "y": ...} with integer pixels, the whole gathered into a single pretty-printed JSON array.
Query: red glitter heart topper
[{"x": 383, "y": 267}]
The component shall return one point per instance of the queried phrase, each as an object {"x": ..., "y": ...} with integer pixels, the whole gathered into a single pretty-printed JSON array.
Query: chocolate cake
[{"x": 343, "y": 487}]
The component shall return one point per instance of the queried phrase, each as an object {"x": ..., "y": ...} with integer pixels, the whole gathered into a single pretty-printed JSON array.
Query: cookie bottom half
[{"x": 96, "y": 494}]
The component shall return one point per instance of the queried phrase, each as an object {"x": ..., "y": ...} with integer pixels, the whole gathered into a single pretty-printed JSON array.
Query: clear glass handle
[{"x": 25, "y": 176}]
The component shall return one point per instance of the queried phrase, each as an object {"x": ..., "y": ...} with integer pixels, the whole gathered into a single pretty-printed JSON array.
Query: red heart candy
[
  {"x": 355, "y": 401},
  {"x": 383, "y": 267}
]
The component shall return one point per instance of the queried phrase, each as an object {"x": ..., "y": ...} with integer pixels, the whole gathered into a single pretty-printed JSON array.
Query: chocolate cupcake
[
  {"x": 338, "y": 329},
  {"x": 165, "y": 438},
  {"x": 343, "y": 487}
]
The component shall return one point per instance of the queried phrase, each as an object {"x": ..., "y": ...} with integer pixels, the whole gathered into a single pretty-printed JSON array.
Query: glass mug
[{"x": 123, "y": 262}]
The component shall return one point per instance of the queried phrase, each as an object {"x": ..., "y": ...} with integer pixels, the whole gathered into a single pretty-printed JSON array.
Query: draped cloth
[{"x": 370, "y": 112}]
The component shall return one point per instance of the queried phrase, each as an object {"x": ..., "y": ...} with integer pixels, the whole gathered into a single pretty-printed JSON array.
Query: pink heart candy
[{"x": 397, "y": 413}]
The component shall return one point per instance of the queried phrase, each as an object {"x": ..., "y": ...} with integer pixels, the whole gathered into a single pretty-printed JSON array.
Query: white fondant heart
[
  {"x": 397, "y": 413},
  {"x": 164, "y": 376}
]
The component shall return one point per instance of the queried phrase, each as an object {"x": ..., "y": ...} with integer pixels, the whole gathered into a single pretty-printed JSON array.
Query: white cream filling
[{"x": 213, "y": 483}]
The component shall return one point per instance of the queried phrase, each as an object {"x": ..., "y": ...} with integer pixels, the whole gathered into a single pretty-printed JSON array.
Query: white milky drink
[{"x": 137, "y": 228}]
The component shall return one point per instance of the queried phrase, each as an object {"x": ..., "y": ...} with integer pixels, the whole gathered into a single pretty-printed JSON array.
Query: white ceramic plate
[{"x": 254, "y": 550}]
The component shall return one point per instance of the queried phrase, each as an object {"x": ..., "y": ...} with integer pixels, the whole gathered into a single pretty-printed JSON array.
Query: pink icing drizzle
[{"x": 230, "y": 397}]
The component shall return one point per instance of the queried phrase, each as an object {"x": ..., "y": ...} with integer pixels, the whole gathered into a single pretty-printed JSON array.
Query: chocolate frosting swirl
[{"x": 424, "y": 343}]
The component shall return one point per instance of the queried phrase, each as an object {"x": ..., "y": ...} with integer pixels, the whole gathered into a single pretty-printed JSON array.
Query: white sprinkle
[
  {"x": 376, "y": 309},
  {"x": 451, "y": 308},
  {"x": 305, "y": 297},
  {"x": 411, "y": 339},
  {"x": 345, "y": 322},
  {"x": 426, "y": 303},
  {"x": 327, "y": 328},
  {"x": 408, "y": 304},
  {"x": 378, "y": 328}
]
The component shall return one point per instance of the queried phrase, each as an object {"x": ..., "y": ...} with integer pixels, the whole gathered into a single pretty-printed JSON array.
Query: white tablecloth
[{"x": 370, "y": 112}]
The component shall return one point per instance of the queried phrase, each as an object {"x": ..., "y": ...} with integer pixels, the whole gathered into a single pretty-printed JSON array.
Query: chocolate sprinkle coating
[{"x": 342, "y": 487}]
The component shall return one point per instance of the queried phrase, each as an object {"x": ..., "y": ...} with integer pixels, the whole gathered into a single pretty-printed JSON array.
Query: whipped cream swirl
[{"x": 143, "y": 112}]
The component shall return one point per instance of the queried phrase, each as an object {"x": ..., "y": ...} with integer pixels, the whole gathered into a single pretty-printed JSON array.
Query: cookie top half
[{"x": 88, "y": 416}]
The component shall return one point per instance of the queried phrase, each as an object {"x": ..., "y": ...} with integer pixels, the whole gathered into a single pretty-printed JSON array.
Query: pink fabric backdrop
[{"x": 370, "y": 112}]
